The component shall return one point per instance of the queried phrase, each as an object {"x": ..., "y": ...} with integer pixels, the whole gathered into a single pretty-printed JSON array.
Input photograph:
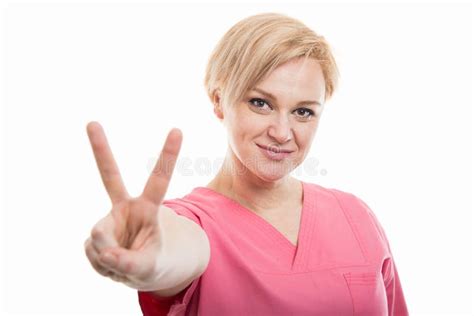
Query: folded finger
[
  {"x": 93, "y": 257},
  {"x": 129, "y": 262},
  {"x": 103, "y": 234}
]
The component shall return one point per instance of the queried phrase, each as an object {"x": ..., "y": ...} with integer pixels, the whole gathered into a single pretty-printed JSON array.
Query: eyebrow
[{"x": 271, "y": 96}]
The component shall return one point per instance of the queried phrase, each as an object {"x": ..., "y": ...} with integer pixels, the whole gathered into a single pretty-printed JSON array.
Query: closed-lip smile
[{"x": 275, "y": 149}]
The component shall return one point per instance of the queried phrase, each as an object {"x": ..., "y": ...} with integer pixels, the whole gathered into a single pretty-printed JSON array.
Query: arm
[
  {"x": 140, "y": 242},
  {"x": 157, "y": 303},
  {"x": 185, "y": 252},
  {"x": 393, "y": 287}
]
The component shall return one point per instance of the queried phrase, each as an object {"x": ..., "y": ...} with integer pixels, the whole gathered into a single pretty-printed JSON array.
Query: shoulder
[
  {"x": 351, "y": 203},
  {"x": 348, "y": 201},
  {"x": 196, "y": 205},
  {"x": 356, "y": 210}
]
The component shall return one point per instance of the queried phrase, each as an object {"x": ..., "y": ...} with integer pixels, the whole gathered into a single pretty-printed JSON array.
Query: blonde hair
[{"x": 258, "y": 44}]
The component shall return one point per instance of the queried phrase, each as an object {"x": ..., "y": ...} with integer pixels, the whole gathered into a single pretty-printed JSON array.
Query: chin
[{"x": 271, "y": 174}]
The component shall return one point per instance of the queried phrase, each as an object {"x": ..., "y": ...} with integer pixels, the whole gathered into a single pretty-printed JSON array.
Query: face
[{"x": 271, "y": 130}]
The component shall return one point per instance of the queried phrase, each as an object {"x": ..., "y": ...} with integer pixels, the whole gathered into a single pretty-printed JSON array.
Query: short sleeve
[
  {"x": 179, "y": 207},
  {"x": 152, "y": 305},
  {"x": 393, "y": 288}
]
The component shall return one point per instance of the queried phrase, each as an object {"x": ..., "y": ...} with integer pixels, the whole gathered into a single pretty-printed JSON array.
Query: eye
[
  {"x": 259, "y": 104},
  {"x": 304, "y": 113}
]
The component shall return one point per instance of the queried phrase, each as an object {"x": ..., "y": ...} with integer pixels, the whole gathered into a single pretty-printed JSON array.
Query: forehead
[{"x": 299, "y": 78}]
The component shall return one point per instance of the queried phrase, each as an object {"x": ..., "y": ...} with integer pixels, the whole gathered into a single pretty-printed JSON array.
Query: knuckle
[
  {"x": 115, "y": 277},
  {"x": 128, "y": 266},
  {"x": 88, "y": 248},
  {"x": 101, "y": 270},
  {"x": 91, "y": 255},
  {"x": 97, "y": 233},
  {"x": 86, "y": 243},
  {"x": 95, "y": 264}
]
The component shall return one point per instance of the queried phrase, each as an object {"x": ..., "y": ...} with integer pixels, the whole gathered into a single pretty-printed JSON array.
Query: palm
[
  {"x": 137, "y": 223},
  {"x": 123, "y": 245}
]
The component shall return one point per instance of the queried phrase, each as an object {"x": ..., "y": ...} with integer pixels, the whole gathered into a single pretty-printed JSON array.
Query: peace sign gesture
[{"x": 125, "y": 244}]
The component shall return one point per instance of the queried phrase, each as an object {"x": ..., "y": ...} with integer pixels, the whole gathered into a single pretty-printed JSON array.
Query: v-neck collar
[{"x": 298, "y": 253}]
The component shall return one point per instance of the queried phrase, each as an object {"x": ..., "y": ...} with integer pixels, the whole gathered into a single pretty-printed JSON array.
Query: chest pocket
[{"x": 368, "y": 294}]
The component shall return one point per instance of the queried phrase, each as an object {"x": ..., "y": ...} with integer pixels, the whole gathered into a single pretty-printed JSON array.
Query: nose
[{"x": 280, "y": 130}]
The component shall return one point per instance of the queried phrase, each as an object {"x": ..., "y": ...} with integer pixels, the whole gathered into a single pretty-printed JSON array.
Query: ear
[{"x": 216, "y": 100}]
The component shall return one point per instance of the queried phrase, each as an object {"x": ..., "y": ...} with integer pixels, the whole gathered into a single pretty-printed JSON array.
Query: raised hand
[{"x": 125, "y": 244}]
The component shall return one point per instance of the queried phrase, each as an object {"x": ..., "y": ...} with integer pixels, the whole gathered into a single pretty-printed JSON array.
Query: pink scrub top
[{"x": 342, "y": 264}]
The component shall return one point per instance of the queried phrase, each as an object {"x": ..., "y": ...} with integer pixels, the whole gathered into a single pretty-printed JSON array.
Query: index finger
[
  {"x": 160, "y": 177},
  {"x": 106, "y": 163}
]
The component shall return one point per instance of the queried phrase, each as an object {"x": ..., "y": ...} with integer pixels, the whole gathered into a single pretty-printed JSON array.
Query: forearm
[{"x": 184, "y": 253}]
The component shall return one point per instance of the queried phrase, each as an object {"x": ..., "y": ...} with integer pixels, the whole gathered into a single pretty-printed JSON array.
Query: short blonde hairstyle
[{"x": 258, "y": 44}]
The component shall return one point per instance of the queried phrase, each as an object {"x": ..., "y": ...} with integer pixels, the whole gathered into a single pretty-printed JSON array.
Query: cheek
[
  {"x": 246, "y": 124},
  {"x": 305, "y": 135},
  {"x": 240, "y": 129}
]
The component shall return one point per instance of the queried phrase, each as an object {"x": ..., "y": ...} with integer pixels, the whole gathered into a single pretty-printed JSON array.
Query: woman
[{"x": 255, "y": 240}]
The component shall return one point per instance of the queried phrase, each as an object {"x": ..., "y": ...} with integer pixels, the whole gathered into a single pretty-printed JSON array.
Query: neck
[{"x": 237, "y": 182}]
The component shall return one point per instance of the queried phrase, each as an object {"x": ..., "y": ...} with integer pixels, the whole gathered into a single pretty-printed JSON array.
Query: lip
[
  {"x": 274, "y": 153},
  {"x": 275, "y": 149}
]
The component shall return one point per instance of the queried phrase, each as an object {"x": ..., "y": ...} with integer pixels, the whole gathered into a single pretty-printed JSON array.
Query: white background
[{"x": 398, "y": 134}]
